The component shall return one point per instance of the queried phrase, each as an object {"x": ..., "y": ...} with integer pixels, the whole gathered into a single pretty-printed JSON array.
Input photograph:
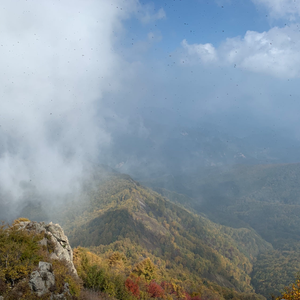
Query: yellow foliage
[
  {"x": 17, "y": 221},
  {"x": 116, "y": 262},
  {"x": 83, "y": 258},
  {"x": 291, "y": 292},
  {"x": 145, "y": 269}
]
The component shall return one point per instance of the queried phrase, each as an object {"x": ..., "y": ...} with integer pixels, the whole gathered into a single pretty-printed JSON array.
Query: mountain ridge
[{"x": 120, "y": 208}]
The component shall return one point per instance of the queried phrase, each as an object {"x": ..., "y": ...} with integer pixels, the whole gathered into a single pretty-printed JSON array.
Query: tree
[
  {"x": 145, "y": 269},
  {"x": 132, "y": 286},
  {"x": 155, "y": 290}
]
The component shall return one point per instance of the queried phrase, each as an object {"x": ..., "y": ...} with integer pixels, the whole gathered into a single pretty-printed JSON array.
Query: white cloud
[
  {"x": 274, "y": 52},
  {"x": 289, "y": 9},
  {"x": 56, "y": 63},
  {"x": 205, "y": 52}
]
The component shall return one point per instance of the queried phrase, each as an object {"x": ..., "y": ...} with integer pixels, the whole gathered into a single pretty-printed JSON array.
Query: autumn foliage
[
  {"x": 132, "y": 287},
  {"x": 155, "y": 290},
  {"x": 20, "y": 253},
  {"x": 292, "y": 292}
]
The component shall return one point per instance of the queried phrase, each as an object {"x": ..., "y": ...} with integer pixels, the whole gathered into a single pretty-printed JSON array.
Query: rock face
[
  {"x": 61, "y": 249},
  {"x": 42, "y": 280}
]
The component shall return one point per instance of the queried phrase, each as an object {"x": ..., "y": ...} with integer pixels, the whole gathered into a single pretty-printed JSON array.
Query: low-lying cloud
[{"x": 57, "y": 62}]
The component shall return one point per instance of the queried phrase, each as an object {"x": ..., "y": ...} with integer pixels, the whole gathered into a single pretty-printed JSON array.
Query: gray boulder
[{"x": 42, "y": 280}]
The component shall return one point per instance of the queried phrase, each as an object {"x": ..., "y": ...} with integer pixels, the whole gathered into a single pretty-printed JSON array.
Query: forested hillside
[
  {"x": 235, "y": 228},
  {"x": 263, "y": 197},
  {"x": 121, "y": 215}
]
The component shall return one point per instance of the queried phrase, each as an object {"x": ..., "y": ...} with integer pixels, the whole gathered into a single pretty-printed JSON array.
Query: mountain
[
  {"x": 121, "y": 215},
  {"x": 128, "y": 230},
  {"x": 265, "y": 198},
  {"x": 151, "y": 149}
]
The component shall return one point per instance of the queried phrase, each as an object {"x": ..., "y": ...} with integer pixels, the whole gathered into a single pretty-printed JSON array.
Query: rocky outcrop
[
  {"x": 55, "y": 239},
  {"x": 49, "y": 279}
]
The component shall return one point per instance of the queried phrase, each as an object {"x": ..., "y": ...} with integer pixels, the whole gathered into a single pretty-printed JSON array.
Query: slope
[
  {"x": 119, "y": 213},
  {"x": 263, "y": 197}
]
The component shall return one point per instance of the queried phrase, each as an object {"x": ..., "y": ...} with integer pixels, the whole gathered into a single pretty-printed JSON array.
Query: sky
[
  {"x": 230, "y": 62},
  {"x": 74, "y": 73}
]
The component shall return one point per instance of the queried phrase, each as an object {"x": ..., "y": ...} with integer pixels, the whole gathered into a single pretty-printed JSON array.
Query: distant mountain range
[{"x": 156, "y": 149}]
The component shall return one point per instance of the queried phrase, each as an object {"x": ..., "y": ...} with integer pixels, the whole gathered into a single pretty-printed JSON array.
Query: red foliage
[
  {"x": 169, "y": 289},
  {"x": 132, "y": 287},
  {"x": 196, "y": 298},
  {"x": 155, "y": 290},
  {"x": 188, "y": 297}
]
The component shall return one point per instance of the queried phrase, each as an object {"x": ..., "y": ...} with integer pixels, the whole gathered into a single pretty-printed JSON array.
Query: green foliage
[
  {"x": 274, "y": 270},
  {"x": 95, "y": 278}
]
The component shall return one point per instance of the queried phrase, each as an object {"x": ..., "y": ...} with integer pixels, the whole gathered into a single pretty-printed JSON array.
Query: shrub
[
  {"x": 20, "y": 253},
  {"x": 94, "y": 278},
  {"x": 63, "y": 275}
]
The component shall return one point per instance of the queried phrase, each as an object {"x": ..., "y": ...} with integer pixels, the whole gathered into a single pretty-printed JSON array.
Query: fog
[
  {"x": 108, "y": 82},
  {"x": 56, "y": 63}
]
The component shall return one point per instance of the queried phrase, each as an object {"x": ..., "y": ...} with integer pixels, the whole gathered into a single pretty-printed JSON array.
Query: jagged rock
[
  {"x": 55, "y": 236},
  {"x": 42, "y": 280},
  {"x": 1, "y": 298}
]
